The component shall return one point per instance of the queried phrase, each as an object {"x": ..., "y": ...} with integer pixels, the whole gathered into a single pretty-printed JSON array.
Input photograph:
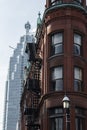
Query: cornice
[{"x": 65, "y": 5}]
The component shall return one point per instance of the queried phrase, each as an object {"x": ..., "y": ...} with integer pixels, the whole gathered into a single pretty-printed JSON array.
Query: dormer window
[{"x": 54, "y": 2}]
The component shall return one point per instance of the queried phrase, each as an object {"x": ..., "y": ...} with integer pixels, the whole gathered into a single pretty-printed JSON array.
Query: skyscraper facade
[{"x": 15, "y": 80}]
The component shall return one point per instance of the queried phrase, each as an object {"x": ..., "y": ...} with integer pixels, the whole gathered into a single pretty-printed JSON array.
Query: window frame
[
  {"x": 78, "y": 2},
  {"x": 54, "y": 2},
  {"x": 80, "y": 118},
  {"x": 56, "y": 79},
  {"x": 78, "y": 82},
  {"x": 56, "y": 118},
  {"x": 55, "y": 47},
  {"x": 77, "y": 47}
]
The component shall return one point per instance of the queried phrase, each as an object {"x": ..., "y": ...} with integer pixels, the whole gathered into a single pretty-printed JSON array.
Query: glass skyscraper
[{"x": 15, "y": 81}]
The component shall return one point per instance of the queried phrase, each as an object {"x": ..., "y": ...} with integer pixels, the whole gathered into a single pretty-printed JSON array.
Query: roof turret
[
  {"x": 27, "y": 27},
  {"x": 39, "y": 21}
]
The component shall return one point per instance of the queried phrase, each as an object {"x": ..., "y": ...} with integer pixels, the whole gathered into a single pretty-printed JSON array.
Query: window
[
  {"x": 57, "y": 78},
  {"x": 18, "y": 59},
  {"x": 56, "y": 118},
  {"x": 12, "y": 75},
  {"x": 15, "y": 67},
  {"x": 57, "y": 43},
  {"x": 78, "y": 2},
  {"x": 77, "y": 44},
  {"x": 54, "y": 2},
  {"x": 78, "y": 79},
  {"x": 80, "y": 119}
]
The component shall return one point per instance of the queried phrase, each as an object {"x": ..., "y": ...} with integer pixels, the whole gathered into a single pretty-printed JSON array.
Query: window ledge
[
  {"x": 80, "y": 57},
  {"x": 57, "y": 55}
]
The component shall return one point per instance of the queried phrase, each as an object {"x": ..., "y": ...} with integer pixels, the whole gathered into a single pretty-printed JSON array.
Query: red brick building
[{"x": 58, "y": 67}]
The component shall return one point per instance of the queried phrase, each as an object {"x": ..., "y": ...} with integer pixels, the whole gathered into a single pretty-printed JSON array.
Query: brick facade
[{"x": 68, "y": 18}]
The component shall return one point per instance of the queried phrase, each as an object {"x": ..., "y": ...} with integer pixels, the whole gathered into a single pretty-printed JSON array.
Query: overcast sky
[{"x": 13, "y": 16}]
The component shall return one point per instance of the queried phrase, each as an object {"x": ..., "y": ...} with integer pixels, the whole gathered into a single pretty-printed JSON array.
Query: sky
[{"x": 13, "y": 16}]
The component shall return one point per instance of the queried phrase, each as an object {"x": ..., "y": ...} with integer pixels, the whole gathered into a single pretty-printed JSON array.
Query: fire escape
[{"x": 33, "y": 88}]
